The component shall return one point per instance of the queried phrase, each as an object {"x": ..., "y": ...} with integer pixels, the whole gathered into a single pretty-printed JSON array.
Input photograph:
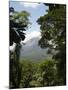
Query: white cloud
[
  {"x": 29, "y": 36},
  {"x": 33, "y": 5},
  {"x": 32, "y": 35},
  {"x": 12, "y": 48}
]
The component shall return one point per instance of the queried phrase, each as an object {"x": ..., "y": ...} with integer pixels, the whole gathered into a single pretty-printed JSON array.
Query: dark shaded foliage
[
  {"x": 53, "y": 32},
  {"x": 16, "y": 33}
]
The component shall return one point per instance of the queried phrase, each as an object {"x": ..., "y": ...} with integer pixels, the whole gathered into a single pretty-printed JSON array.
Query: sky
[{"x": 36, "y": 10}]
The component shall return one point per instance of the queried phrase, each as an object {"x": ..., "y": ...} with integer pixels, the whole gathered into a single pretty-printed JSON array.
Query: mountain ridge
[{"x": 32, "y": 51}]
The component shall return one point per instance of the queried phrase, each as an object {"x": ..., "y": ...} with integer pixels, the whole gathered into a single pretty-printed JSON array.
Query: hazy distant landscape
[{"x": 32, "y": 51}]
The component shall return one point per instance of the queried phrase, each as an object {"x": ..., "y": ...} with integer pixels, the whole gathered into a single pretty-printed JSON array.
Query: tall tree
[
  {"x": 19, "y": 22},
  {"x": 53, "y": 36}
]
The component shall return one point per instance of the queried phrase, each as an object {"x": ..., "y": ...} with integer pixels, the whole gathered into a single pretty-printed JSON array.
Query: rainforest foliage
[
  {"x": 50, "y": 72},
  {"x": 19, "y": 22},
  {"x": 53, "y": 32}
]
